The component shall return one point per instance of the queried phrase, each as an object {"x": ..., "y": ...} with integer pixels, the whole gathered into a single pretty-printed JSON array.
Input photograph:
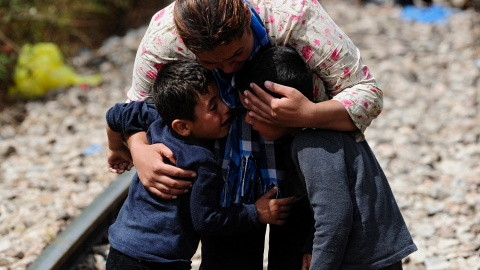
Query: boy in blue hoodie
[{"x": 188, "y": 115}]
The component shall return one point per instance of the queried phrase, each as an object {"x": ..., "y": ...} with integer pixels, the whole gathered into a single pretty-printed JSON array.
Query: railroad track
[{"x": 70, "y": 247}]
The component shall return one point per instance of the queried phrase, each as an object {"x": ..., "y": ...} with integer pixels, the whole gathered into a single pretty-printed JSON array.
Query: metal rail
[{"x": 69, "y": 248}]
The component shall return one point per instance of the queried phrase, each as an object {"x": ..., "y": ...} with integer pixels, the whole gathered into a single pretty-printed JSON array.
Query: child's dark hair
[
  {"x": 282, "y": 65},
  {"x": 177, "y": 87}
]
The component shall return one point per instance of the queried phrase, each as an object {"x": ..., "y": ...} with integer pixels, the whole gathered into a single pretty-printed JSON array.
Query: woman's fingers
[
  {"x": 170, "y": 170},
  {"x": 257, "y": 106},
  {"x": 285, "y": 111},
  {"x": 166, "y": 180},
  {"x": 162, "y": 179},
  {"x": 169, "y": 188}
]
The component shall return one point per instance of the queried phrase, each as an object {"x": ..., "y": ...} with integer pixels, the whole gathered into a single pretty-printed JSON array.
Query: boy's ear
[{"x": 182, "y": 127}]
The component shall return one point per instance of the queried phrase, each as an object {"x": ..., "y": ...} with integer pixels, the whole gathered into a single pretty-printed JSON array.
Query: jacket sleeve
[
  {"x": 132, "y": 117},
  {"x": 208, "y": 216},
  {"x": 329, "y": 194},
  {"x": 338, "y": 70}
]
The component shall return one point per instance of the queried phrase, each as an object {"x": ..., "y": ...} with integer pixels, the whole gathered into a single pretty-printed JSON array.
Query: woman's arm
[
  {"x": 160, "y": 45},
  {"x": 337, "y": 68},
  {"x": 295, "y": 110},
  {"x": 158, "y": 177}
]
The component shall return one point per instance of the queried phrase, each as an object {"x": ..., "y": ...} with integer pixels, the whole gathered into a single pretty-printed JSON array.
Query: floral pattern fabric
[{"x": 339, "y": 72}]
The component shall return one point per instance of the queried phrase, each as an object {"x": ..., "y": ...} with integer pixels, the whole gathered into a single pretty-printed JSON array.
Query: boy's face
[
  {"x": 212, "y": 116},
  {"x": 268, "y": 132}
]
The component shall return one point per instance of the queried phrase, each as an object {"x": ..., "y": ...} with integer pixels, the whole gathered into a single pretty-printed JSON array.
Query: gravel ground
[{"x": 53, "y": 151}]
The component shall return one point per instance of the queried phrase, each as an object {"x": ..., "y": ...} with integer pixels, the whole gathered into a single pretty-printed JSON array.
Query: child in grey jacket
[{"x": 358, "y": 224}]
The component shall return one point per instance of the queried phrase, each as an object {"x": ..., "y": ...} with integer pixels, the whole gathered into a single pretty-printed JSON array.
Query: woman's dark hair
[
  {"x": 177, "y": 87},
  {"x": 205, "y": 24},
  {"x": 282, "y": 65}
]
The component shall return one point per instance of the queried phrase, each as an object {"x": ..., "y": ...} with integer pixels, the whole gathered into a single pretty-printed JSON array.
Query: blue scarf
[{"x": 248, "y": 163}]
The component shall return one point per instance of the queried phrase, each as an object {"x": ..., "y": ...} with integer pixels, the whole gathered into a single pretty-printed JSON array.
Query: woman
[
  {"x": 223, "y": 35},
  {"x": 338, "y": 70}
]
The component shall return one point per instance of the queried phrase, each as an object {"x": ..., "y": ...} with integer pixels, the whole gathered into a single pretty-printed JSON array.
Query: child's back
[
  {"x": 156, "y": 230},
  {"x": 358, "y": 224}
]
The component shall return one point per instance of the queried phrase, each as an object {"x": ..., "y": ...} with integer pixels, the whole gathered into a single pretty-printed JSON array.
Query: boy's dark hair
[
  {"x": 177, "y": 87},
  {"x": 282, "y": 65}
]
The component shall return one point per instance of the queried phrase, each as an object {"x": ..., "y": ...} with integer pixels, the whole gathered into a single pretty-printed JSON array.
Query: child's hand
[
  {"x": 119, "y": 160},
  {"x": 307, "y": 259},
  {"x": 273, "y": 211}
]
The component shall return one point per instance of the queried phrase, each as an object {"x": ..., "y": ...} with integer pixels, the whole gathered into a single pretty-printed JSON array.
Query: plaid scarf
[{"x": 249, "y": 164}]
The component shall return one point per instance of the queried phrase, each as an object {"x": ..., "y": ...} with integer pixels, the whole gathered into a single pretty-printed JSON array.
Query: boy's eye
[{"x": 214, "y": 107}]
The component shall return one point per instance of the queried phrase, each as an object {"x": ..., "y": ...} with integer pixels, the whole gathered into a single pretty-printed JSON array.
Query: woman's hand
[
  {"x": 288, "y": 111},
  {"x": 273, "y": 211},
  {"x": 295, "y": 110},
  {"x": 154, "y": 174}
]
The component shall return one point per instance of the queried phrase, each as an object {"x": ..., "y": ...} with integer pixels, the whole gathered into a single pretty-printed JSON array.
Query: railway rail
[{"x": 70, "y": 247}]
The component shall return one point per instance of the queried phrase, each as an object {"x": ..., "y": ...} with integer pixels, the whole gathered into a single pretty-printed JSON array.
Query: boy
[
  {"x": 153, "y": 233},
  {"x": 358, "y": 224}
]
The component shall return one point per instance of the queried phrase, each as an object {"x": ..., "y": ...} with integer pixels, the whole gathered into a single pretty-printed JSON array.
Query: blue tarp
[{"x": 434, "y": 14}]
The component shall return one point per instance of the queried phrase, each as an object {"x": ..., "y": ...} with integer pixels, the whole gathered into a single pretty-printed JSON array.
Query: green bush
[
  {"x": 5, "y": 60},
  {"x": 72, "y": 25},
  {"x": 65, "y": 22}
]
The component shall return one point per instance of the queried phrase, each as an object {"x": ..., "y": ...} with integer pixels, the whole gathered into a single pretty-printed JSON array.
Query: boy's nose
[{"x": 224, "y": 108}]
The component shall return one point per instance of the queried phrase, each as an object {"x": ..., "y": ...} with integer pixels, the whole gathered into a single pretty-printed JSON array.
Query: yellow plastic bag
[{"x": 40, "y": 68}]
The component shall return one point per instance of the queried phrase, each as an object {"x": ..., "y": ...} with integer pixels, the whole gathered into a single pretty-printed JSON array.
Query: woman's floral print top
[{"x": 339, "y": 72}]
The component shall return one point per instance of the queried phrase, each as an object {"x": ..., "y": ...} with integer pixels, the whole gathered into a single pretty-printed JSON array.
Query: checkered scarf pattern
[{"x": 249, "y": 164}]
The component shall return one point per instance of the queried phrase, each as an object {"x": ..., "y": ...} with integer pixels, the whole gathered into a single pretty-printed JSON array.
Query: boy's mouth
[{"x": 227, "y": 122}]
